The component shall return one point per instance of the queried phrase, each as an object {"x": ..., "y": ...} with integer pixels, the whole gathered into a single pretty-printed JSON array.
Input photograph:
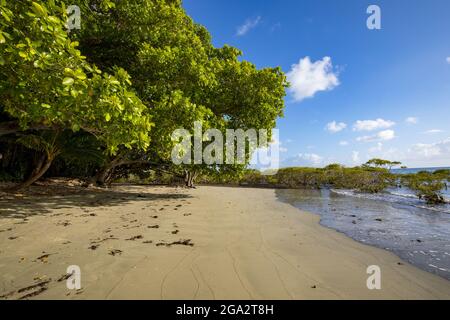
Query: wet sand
[{"x": 137, "y": 242}]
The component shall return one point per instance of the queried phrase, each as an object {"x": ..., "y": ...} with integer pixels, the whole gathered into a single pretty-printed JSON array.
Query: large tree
[
  {"x": 46, "y": 83},
  {"x": 178, "y": 73}
]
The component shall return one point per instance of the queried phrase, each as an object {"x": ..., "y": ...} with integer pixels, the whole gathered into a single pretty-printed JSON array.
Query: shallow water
[{"x": 401, "y": 224}]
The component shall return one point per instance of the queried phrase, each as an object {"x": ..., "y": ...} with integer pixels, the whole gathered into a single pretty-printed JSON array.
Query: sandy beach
[{"x": 139, "y": 242}]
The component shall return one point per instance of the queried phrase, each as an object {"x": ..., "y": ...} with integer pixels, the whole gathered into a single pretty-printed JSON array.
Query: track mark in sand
[
  {"x": 203, "y": 278},
  {"x": 277, "y": 271},
  {"x": 237, "y": 274},
  {"x": 293, "y": 267},
  {"x": 172, "y": 270},
  {"x": 123, "y": 277},
  {"x": 198, "y": 284},
  {"x": 263, "y": 246},
  {"x": 356, "y": 247}
]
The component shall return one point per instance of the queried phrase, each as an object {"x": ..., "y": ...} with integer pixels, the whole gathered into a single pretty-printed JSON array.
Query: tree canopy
[{"x": 133, "y": 73}]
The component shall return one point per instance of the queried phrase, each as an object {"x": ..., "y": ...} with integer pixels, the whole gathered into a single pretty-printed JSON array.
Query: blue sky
[{"x": 361, "y": 93}]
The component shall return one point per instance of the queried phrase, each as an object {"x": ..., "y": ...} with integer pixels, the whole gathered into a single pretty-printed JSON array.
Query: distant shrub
[{"x": 427, "y": 186}]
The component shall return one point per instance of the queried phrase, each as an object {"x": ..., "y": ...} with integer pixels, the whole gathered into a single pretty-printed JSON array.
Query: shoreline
[{"x": 207, "y": 243}]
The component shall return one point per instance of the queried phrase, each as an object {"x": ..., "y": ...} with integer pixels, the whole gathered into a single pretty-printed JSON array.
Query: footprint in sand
[
  {"x": 186, "y": 242},
  {"x": 44, "y": 257},
  {"x": 63, "y": 223},
  {"x": 135, "y": 238},
  {"x": 115, "y": 252},
  {"x": 38, "y": 287}
]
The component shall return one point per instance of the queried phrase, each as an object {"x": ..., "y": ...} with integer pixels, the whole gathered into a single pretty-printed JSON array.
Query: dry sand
[{"x": 135, "y": 242}]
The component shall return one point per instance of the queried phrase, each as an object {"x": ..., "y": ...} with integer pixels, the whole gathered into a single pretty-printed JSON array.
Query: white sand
[{"x": 247, "y": 245}]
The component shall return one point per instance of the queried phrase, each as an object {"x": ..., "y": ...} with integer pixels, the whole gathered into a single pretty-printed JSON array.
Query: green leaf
[
  {"x": 75, "y": 127},
  {"x": 46, "y": 106},
  {"x": 5, "y": 15},
  {"x": 80, "y": 74},
  {"x": 68, "y": 81},
  {"x": 107, "y": 117},
  {"x": 38, "y": 9},
  {"x": 2, "y": 38}
]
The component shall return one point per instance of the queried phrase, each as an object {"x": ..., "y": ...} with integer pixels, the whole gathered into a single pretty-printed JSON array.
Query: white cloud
[
  {"x": 355, "y": 157},
  {"x": 343, "y": 143},
  {"x": 370, "y": 125},
  {"x": 334, "y": 126},
  {"x": 247, "y": 26},
  {"x": 448, "y": 60},
  {"x": 412, "y": 120},
  {"x": 307, "y": 78},
  {"x": 432, "y": 150},
  {"x": 380, "y": 136},
  {"x": 433, "y": 131},
  {"x": 312, "y": 158},
  {"x": 307, "y": 159},
  {"x": 377, "y": 148},
  {"x": 418, "y": 155}
]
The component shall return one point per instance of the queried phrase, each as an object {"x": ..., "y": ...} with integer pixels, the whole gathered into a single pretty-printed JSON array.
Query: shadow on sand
[{"x": 25, "y": 207}]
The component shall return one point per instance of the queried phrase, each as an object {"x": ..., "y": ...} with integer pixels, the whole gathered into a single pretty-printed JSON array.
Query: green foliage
[
  {"x": 55, "y": 81},
  {"x": 381, "y": 163},
  {"x": 179, "y": 73},
  {"x": 335, "y": 176},
  {"x": 45, "y": 80},
  {"x": 428, "y": 186}
]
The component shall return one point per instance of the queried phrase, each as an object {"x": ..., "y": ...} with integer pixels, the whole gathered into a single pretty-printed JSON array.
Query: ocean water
[
  {"x": 395, "y": 220},
  {"x": 415, "y": 170},
  {"x": 406, "y": 192}
]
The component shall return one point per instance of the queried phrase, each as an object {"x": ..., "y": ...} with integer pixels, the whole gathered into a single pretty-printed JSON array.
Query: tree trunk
[
  {"x": 37, "y": 173},
  {"x": 101, "y": 178},
  {"x": 189, "y": 178},
  {"x": 101, "y": 175},
  {"x": 39, "y": 164}
]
